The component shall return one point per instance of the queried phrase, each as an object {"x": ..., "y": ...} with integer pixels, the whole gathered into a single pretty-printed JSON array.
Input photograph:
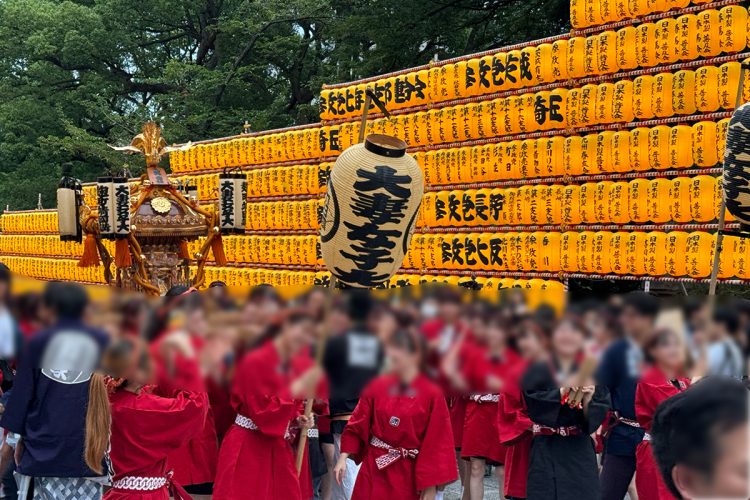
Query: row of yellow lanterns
[
  {"x": 587, "y": 13},
  {"x": 32, "y": 221},
  {"x": 44, "y": 245},
  {"x": 646, "y": 97},
  {"x": 680, "y": 200},
  {"x": 53, "y": 269},
  {"x": 663, "y": 95},
  {"x": 637, "y": 253},
  {"x": 639, "y": 149},
  {"x": 276, "y": 249},
  {"x": 705, "y": 34},
  {"x": 272, "y": 215}
]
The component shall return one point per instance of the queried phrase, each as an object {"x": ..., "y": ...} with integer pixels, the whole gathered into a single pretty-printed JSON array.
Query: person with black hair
[
  {"x": 699, "y": 440},
  {"x": 664, "y": 377},
  {"x": 723, "y": 356},
  {"x": 350, "y": 361},
  {"x": 620, "y": 370},
  {"x": 400, "y": 430},
  {"x": 56, "y": 371},
  {"x": 563, "y": 461}
]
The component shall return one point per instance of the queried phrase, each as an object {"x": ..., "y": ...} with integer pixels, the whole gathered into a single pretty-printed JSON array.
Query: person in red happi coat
[
  {"x": 177, "y": 360},
  {"x": 257, "y": 459},
  {"x": 400, "y": 431},
  {"x": 145, "y": 427},
  {"x": 661, "y": 380},
  {"x": 481, "y": 374},
  {"x": 513, "y": 422}
]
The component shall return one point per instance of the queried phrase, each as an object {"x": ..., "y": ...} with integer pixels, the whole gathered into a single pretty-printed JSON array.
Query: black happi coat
[{"x": 561, "y": 467}]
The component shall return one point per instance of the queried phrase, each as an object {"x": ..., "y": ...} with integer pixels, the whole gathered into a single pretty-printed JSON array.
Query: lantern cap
[{"x": 385, "y": 145}]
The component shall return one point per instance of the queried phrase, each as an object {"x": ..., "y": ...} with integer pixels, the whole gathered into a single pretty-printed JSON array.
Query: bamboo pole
[{"x": 722, "y": 209}]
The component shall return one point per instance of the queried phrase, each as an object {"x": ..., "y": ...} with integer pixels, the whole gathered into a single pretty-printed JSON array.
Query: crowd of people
[{"x": 370, "y": 395}]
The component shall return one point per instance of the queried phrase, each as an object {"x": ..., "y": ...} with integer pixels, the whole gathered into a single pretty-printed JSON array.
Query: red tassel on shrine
[
  {"x": 183, "y": 251},
  {"x": 122, "y": 253},
  {"x": 217, "y": 247},
  {"x": 90, "y": 256}
]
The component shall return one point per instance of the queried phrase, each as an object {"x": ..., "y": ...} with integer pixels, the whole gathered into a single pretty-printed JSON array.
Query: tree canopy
[{"x": 78, "y": 75}]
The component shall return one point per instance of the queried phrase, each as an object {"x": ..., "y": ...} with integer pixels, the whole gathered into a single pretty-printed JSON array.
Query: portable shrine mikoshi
[{"x": 151, "y": 220}]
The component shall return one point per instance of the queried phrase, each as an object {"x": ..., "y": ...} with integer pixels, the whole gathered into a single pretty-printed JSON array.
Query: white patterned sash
[{"x": 392, "y": 455}]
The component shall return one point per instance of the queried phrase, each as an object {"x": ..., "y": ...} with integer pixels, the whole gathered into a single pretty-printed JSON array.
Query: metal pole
[{"x": 722, "y": 209}]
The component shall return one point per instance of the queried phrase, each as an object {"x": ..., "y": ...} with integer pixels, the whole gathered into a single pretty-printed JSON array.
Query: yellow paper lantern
[
  {"x": 571, "y": 209},
  {"x": 604, "y": 103},
  {"x": 687, "y": 37},
  {"x": 588, "y": 155},
  {"x": 513, "y": 70},
  {"x": 635, "y": 253},
  {"x": 542, "y": 67},
  {"x": 654, "y": 255},
  {"x": 708, "y": 27},
  {"x": 638, "y": 200},
  {"x": 602, "y": 251},
  {"x": 586, "y": 110},
  {"x": 560, "y": 60},
  {"x": 643, "y": 90},
  {"x": 550, "y": 252},
  {"x": 683, "y": 93},
  {"x": 569, "y": 251},
  {"x": 733, "y": 28},
  {"x": 604, "y": 151},
  {"x": 681, "y": 156},
  {"x": 607, "y": 52},
  {"x": 704, "y": 144},
  {"x": 703, "y": 198},
  {"x": 585, "y": 251},
  {"x": 699, "y": 250},
  {"x": 591, "y": 55},
  {"x": 726, "y": 259},
  {"x": 550, "y": 151},
  {"x": 645, "y": 45},
  {"x": 601, "y": 201},
  {"x": 572, "y": 154},
  {"x": 659, "y": 202},
  {"x": 618, "y": 203},
  {"x": 573, "y": 108},
  {"x": 706, "y": 86},
  {"x": 627, "y": 57},
  {"x": 679, "y": 199},
  {"x": 576, "y": 54},
  {"x": 578, "y": 13},
  {"x": 622, "y": 102},
  {"x": 666, "y": 36},
  {"x": 621, "y": 151},
  {"x": 729, "y": 81},
  {"x": 639, "y": 149},
  {"x": 721, "y": 137},
  {"x": 586, "y": 203},
  {"x": 661, "y": 97}
]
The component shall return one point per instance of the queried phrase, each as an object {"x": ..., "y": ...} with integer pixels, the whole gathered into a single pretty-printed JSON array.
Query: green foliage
[{"x": 78, "y": 75}]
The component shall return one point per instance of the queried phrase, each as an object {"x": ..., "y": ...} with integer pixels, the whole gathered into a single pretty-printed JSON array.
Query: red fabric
[
  {"x": 221, "y": 407},
  {"x": 146, "y": 428},
  {"x": 514, "y": 431},
  {"x": 480, "y": 435},
  {"x": 414, "y": 418},
  {"x": 195, "y": 461},
  {"x": 652, "y": 389},
  {"x": 259, "y": 464}
]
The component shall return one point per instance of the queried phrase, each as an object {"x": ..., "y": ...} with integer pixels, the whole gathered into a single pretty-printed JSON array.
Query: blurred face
[
  {"x": 449, "y": 311},
  {"x": 529, "y": 344},
  {"x": 634, "y": 323},
  {"x": 567, "y": 340},
  {"x": 399, "y": 358},
  {"x": 668, "y": 352},
  {"x": 339, "y": 322},
  {"x": 267, "y": 309},
  {"x": 494, "y": 335},
  {"x": 730, "y": 474},
  {"x": 196, "y": 322},
  {"x": 298, "y": 335}
]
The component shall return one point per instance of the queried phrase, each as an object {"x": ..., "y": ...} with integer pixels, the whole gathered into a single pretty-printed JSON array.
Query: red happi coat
[
  {"x": 195, "y": 461},
  {"x": 146, "y": 428},
  {"x": 652, "y": 389},
  {"x": 432, "y": 330},
  {"x": 514, "y": 431},
  {"x": 260, "y": 463},
  {"x": 409, "y": 418},
  {"x": 480, "y": 436}
]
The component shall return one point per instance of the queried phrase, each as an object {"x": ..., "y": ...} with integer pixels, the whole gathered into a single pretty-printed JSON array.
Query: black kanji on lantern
[
  {"x": 498, "y": 71},
  {"x": 511, "y": 67},
  {"x": 439, "y": 209},
  {"x": 471, "y": 78},
  {"x": 227, "y": 204},
  {"x": 540, "y": 110},
  {"x": 525, "y": 64},
  {"x": 122, "y": 208},
  {"x": 484, "y": 69},
  {"x": 496, "y": 246},
  {"x": 453, "y": 204},
  {"x": 480, "y": 206},
  {"x": 467, "y": 207},
  {"x": 381, "y": 198},
  {"x": 497, "y": 202}
]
